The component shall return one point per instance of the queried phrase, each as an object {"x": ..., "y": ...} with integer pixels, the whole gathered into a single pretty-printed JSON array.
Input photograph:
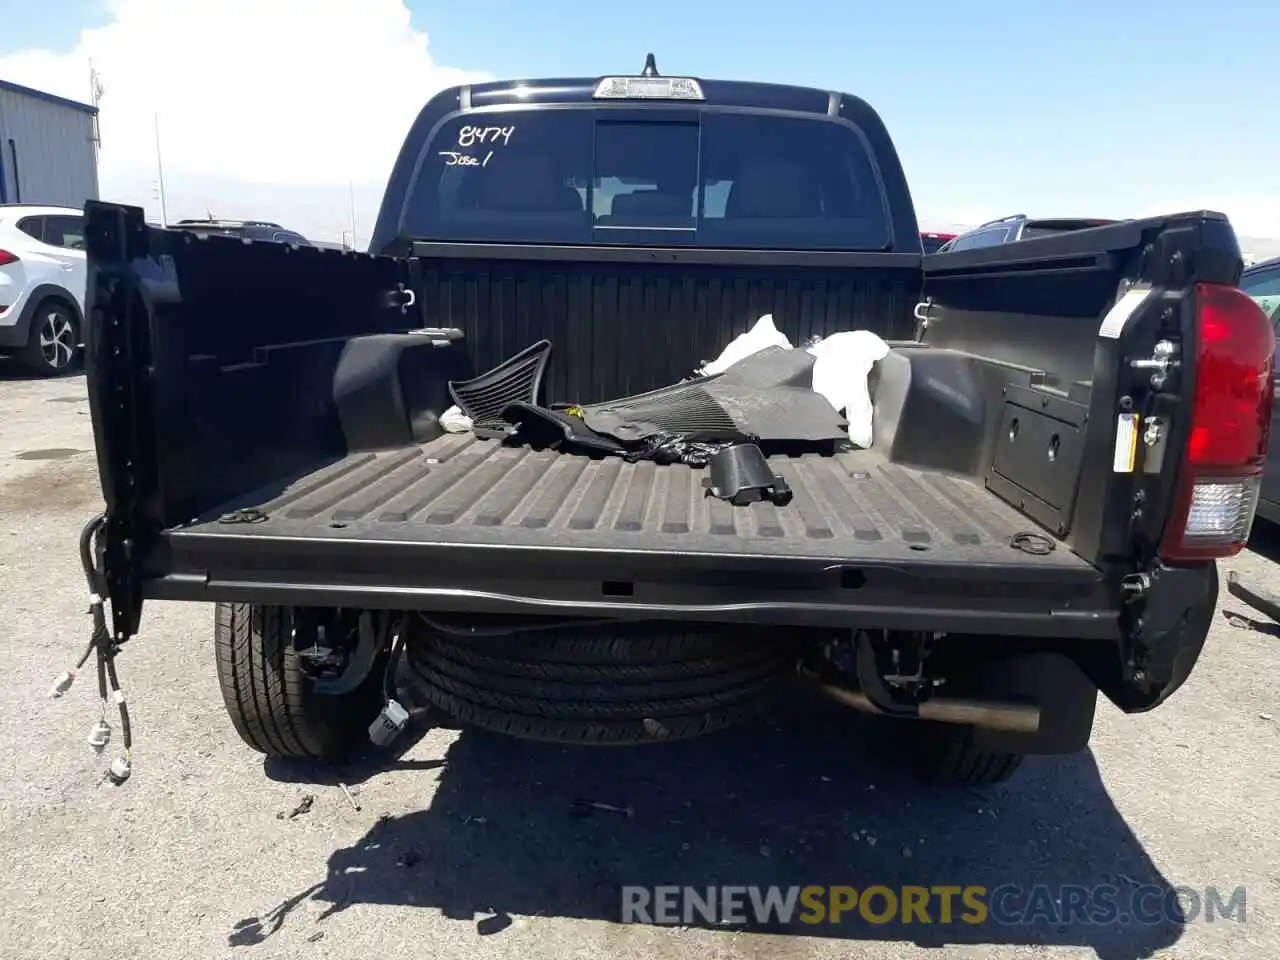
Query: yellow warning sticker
[{"x": 1126, "y": 452}]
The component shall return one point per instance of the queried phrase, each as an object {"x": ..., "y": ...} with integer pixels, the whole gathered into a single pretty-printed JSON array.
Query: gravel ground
[{"x": 464, "y": 845}]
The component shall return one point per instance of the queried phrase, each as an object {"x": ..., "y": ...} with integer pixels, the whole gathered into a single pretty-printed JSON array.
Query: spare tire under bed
[{"x": 600, "y": 684}]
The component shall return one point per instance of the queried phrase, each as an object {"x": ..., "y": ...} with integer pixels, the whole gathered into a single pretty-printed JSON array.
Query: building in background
[{"x": 48, "y": 148}]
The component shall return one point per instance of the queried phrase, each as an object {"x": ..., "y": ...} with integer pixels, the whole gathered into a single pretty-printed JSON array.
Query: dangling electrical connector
[
  {"x": 394, "y": 717},
  {"x": 389, "y": 723},
  {"x": 100, "y": 735},
  {"x": 119, "y": 770}
]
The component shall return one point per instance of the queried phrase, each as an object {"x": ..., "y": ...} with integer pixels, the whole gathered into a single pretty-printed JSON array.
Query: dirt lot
[{"x": 465, "y": 847}]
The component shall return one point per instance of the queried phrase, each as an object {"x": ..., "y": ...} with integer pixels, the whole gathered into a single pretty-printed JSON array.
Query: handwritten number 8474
[{"x": 485, "y": 136}]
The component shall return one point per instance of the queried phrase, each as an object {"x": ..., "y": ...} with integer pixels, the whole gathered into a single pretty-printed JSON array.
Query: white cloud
[
  {"x": 1252, "y": 215},
  {"x": 310, "y": 93}
]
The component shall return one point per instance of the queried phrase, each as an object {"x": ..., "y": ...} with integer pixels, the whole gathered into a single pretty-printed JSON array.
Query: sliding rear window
[{"x": 681, "y": 177}]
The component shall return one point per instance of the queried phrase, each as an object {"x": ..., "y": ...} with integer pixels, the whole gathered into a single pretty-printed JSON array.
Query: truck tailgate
[
  {"x": 461, "y": 490},
  {"x": 468, "y": 525}
]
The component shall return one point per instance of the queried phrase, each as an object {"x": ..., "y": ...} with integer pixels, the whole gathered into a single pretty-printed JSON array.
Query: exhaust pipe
[{"x": 987, "y": 714}]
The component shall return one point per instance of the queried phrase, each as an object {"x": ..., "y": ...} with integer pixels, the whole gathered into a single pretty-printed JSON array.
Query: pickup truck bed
[
  {"x": 1064, "y": 439},
  {"x": 461, "y": 490}
]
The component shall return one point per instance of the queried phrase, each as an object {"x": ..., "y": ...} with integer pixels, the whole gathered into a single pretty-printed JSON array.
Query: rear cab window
[
  {"x": 983, "y": 238},
  {"x": 593, "y": 174}
]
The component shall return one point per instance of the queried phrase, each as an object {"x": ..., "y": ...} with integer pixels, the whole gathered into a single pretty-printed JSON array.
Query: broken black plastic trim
[
  {"x": 740, "y": 475},
  {"x": 1165, "y": 632},
  {"x": 518, "y": 380}
]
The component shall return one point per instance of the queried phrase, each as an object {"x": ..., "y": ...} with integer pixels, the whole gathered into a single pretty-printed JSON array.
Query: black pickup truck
[{"x": 1068, "y": 432}]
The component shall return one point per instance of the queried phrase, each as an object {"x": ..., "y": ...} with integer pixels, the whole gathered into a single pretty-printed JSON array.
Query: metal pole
[
  {"x": 164, "y": 213},
  {"x": 351, "y": 198}
]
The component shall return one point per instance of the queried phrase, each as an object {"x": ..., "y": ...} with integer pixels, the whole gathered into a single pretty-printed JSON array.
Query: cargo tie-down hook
[{"x": 1036, "y": 544}]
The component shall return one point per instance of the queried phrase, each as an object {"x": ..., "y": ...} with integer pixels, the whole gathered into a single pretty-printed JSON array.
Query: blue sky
[
  {"x": 1082, "y": 108},
  {"x": 1074, "y": 108}
]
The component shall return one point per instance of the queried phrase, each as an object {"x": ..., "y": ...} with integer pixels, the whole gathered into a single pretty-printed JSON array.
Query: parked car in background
[
  {"x": 42, "y": 286},
  {"x": 1018, "y": 227},
  {"x": 1262, "y": 282},
  {"x": 933, "y": 242},
  {"x": 244, "y": 229}
]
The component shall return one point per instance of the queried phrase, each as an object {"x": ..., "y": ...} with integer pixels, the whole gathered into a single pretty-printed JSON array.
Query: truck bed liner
[{"x": 466, "y": 491}]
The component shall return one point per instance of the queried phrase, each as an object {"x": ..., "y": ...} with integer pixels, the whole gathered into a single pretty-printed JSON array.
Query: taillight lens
[
  {"x": 7, "y": 258},
  {"x": 1219, "y": 482}
]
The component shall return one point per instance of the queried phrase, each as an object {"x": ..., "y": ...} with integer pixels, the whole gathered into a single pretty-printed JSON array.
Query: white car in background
[{"x": 42, "y": 286}]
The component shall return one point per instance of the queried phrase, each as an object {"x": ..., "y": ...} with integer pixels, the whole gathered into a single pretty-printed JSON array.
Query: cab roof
[
  {"x": 719, "y": 93},
  {"x": 716, "y": 93}
]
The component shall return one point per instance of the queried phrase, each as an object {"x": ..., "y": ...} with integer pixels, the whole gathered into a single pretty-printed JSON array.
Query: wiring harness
[{"x": 105, "y": 648}]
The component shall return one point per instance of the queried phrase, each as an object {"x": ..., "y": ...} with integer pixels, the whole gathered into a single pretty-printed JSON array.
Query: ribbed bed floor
[{"x": 461, "y": 490}]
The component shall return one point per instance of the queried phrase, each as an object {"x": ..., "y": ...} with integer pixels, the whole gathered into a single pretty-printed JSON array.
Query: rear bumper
[
  {"x": 13, "y": 331},
  {"x": 1030, "y": 601},
  {"x": 15, "y": 326}
]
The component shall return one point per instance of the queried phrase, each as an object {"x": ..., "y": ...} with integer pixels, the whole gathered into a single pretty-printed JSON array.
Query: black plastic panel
[
  {"x": 1039, "y": 452},
  {"x": 931, "y": 408},
  {"x": 619, "y": 329},
  {"x": 390, "y": 389}
]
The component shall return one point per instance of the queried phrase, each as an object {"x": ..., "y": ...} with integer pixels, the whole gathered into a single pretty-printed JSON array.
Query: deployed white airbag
[
  {"x": 843, "y": 361},
  {"x": 761, "y": 335}
]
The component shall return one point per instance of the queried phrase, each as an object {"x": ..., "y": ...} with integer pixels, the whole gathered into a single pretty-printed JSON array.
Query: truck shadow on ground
[{"x": 814, "y": 796}]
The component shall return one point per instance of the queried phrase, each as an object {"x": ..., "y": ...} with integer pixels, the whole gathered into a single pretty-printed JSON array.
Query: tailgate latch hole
[
  {"x": 851, "y": 578},
  {"x": 618, "y": 588}
]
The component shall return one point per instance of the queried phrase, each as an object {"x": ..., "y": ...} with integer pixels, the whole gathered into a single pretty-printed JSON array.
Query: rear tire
[
  {"x": 945, "y": 754},
  {"x": 618, "y": 684},
  {"x": 54, "y": 344},
  {"x": 272, "y": 703}
]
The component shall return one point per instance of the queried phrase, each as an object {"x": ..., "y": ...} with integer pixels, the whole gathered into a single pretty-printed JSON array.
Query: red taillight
[
  {"x": 1218, "y": 484},
  {"x": 7, "y": 258}
]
